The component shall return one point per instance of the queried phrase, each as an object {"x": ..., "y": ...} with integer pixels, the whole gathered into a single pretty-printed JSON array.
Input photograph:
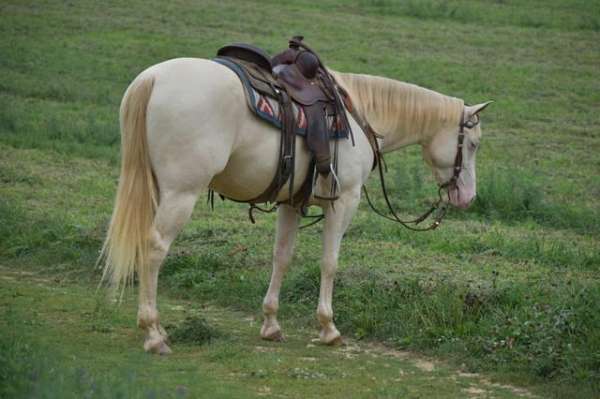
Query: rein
[{"x": 439, "y": 205}]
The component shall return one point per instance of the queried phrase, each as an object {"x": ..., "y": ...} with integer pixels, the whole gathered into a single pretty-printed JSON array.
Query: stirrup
[{"x": 335, "y": 178}]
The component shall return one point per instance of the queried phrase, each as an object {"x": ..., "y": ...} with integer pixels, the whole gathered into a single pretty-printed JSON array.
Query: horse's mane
[{"x": 394, "y": 107}]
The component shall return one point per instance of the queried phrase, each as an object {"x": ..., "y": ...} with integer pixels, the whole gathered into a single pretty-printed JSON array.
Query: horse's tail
[{"x": 125, "y": 250}]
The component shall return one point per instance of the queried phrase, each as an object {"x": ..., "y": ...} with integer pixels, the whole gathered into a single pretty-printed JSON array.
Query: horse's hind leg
[
  {"x": 287, "y": 227},
  {"x": 173, "y": 212}
]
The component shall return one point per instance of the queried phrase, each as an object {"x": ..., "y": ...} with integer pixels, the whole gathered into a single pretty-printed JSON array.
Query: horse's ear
[{"x": 475, "y": 109}]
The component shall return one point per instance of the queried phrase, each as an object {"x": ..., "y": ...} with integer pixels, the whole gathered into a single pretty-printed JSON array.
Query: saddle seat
[
  {"x": 301, "y": 89},
  {"x": 299, "y": 79}
]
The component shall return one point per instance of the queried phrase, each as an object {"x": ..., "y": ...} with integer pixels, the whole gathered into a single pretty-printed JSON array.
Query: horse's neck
[
  {"x": 395, "y": 140},
  {"x": 404, "y": 114}
]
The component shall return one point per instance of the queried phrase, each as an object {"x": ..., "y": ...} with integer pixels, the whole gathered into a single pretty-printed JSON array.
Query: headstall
[{"x": 440, "y": 206}]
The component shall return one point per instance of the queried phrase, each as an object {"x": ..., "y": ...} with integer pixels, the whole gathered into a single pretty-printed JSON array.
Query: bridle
[
  {"x": 458, "y": 160},
  {"x": 440, "y": 205}
]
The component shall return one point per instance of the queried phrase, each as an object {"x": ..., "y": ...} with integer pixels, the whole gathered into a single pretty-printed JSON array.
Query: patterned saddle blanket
[{"x": 267, "y": 107}]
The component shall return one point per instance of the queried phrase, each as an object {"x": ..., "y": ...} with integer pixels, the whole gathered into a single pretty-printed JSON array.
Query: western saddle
[{"x": 295, "y": 75}]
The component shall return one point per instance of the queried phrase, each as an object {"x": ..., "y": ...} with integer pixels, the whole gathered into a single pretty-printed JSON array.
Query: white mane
[{"x": 394, "y": 107}]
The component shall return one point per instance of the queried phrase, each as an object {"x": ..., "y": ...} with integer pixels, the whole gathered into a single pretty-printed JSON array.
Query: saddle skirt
[{"x": 261, "y": 89}]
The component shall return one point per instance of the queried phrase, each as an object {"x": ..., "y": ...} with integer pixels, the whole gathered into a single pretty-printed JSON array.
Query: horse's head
[{"x": 453, "y": 162}]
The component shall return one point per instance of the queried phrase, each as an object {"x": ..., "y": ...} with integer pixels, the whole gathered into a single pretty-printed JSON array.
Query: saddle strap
[{"x": 287, "y": 155}]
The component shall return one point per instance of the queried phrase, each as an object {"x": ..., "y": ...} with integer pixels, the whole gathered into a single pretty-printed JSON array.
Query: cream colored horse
[{"x": 186, "y": 127}]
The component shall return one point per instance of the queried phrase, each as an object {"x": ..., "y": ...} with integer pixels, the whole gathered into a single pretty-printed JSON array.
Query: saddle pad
[{"x": 267, "y": 108}]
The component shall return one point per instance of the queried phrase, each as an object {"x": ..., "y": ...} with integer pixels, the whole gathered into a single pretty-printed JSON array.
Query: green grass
[
  {"x": 98, "y": 362},
  {"x": 509, "y": 287}
]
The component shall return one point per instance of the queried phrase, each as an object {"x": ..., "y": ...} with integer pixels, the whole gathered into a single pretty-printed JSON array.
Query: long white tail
[{"x": 125, "y": 250}]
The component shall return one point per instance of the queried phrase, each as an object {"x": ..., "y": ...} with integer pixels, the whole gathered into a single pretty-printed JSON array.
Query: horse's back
[{"x": 184, "y": 84}]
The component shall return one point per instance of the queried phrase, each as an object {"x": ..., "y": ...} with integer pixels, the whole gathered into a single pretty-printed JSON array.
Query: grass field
[{"x": 509, "y": 289}]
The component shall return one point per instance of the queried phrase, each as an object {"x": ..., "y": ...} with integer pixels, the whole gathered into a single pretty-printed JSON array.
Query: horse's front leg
[
  {"x": 287, "y": 228},
  {"x": 337, "y": 219}
]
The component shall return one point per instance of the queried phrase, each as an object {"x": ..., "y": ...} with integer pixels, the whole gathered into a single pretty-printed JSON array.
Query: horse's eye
[
  {"x": 471, "y": 123},
  {"x": 474, "y": 146}
]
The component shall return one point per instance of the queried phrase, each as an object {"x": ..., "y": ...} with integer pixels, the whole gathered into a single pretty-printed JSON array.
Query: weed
[{"x": 193, "y": 330}]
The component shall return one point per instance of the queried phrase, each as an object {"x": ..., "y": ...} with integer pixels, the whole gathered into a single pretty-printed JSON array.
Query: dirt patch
[
  {"x": 521, "y": 392},
  {"x": 424, "y": 365},
  {"x": 265, "y": 349},
  {"x": 16, "y": 275},
  {"x": 474, "y": 391}
]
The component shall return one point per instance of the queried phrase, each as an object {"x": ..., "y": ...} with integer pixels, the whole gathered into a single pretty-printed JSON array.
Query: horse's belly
[{"x": 252, "y": 167}]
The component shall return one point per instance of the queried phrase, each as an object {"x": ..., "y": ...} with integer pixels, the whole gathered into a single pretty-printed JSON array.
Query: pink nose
[
  {"x": 464, "y": 204},
  {"x": 461, "y": 199}
]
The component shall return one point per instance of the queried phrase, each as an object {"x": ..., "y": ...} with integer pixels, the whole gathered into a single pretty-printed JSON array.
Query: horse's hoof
[
  {"x": 275, "y": 336},
  {"x": 164, "y": 349},
  {"x": 332, "y": 338},
  {"x": 270, "y": 331},
  {"x": 339, "y": 341},
  {"x": 157, "y": 347}
]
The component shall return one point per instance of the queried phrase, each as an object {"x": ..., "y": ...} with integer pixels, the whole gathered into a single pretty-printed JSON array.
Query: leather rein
[{"x": 439, "y": 205}]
